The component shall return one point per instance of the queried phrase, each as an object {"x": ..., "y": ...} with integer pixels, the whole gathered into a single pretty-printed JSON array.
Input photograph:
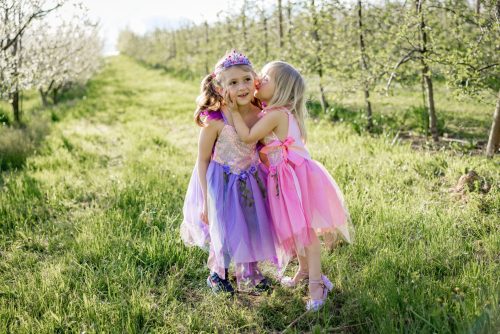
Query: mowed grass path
[{"x": 90, "y": 229}]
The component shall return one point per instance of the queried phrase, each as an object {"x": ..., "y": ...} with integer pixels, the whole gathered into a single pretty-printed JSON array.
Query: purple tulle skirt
[
  {"x": 239, "y": 230},
  {"x": 193, "y": 231}
]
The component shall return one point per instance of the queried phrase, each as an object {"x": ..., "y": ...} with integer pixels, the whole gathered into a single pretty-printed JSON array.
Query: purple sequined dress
[{"x": 240, "y": 225}]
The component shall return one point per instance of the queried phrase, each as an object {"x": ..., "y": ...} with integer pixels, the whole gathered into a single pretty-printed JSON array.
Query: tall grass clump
[{"x": 17, "y": 143}]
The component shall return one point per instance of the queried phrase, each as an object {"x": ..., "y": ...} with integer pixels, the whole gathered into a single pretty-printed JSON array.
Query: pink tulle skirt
[{"x": 305, "y": 202}]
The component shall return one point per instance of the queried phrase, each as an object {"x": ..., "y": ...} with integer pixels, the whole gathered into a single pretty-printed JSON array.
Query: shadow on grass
[{"x": 467, "y": 128}]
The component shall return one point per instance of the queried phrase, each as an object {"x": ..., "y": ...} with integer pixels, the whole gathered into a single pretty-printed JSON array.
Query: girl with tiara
[
  {"x": 304, "y": 200},
  {"x": 225, "y": 209}
]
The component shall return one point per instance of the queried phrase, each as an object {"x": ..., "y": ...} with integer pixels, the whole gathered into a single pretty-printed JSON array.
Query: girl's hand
[
  {"x": 231, "y": 101},
  {"x": 204, "y": 216}
]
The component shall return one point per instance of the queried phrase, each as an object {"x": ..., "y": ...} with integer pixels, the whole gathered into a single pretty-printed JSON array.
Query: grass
[{"x": 90, "y": 241}]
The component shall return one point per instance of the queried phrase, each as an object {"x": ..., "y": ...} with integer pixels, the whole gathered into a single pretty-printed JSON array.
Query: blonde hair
[
  {"x": 209, "y": 99},
  {"x": 289, "y": 91}
]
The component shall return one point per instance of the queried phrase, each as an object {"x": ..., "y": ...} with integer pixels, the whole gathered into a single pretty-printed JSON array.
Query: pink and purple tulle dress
[
  {"x": 302, "y": 195},
  {"x": 240, "y": 230}
]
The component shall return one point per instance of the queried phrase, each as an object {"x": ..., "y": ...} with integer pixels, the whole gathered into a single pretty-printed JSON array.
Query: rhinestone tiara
[{"x": 234, "y": 58}]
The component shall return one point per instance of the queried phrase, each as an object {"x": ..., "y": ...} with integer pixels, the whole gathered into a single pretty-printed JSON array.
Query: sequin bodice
[
  {"x": 274, "y": 155},
  {"x": 232, "y": 152}
]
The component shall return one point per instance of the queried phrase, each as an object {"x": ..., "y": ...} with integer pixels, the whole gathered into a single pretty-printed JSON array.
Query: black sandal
[{"x": 218, "y": 284}]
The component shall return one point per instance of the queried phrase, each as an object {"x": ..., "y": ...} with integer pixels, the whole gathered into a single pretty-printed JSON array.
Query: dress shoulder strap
[{"x": 213, "y": 115}]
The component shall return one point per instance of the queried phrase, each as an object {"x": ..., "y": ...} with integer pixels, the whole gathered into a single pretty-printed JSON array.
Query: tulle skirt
[
  {"x": 193, "y": 231},
  {"x": 305, "y": 200},
  {"x": 240, "y": 228}
]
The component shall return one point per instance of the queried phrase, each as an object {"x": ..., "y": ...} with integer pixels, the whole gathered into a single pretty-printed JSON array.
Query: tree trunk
[
  {"x": 430, "y": 105},
  {"x": 289, "y": 18},
  {"x": 174, "y": 45},
  {"x": 364, "y": 66},
  {"x": 426, "y": 73},
  {"x": 54, "y": 95},
  {"x": 15, "y": 107},
  {"x": 43, "y": 95},
  {"x": 266, "y": 41},
  {"x": 16, "y": 50},
  {"x": 207, "y": 41},
  {"x": 324, "y": 102},
  {"x": 229, "y": 27},
  {"x": 280, "y": 22},
  {"x": 319, "y": 63},
  {"x": 244, "y": 22},
  {"x": 478, "y": 7},
  {"x": 424, "y": 104},
  {"x": 494, "y": 138}
]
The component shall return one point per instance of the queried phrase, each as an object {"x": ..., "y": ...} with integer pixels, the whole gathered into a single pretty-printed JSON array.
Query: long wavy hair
[{"x": 289, "y": 91}]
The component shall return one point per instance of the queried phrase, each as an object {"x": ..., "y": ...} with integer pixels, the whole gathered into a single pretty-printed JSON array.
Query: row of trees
[
  {"x": 40, "y": 50},
  {"x": 361, "y": 46}
]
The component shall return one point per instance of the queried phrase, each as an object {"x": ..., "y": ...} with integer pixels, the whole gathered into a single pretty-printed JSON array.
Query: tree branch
[
  {"x": 467, "y": 19},
  {"x": 487, "y": 67},
  {"x": 400, "y": 62},
  {"x": 25, "y": 25}
]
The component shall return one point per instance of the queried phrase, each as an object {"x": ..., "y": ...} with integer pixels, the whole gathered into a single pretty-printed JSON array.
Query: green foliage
[{"x": 90, "y": 228}]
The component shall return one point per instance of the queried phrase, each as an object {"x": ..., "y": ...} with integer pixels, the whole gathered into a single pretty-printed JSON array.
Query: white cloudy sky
[{"x": 144, "y": 15}]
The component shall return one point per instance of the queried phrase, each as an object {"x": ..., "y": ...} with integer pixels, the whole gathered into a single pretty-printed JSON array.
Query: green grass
[{"x": 89, "y": 228}]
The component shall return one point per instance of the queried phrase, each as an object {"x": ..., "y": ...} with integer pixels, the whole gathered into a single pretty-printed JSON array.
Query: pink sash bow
[{"x": 288, "y": 154}]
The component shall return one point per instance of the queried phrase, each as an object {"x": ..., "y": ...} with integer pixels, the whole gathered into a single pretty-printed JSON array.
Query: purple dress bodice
[{"x": 232, "y": 152}]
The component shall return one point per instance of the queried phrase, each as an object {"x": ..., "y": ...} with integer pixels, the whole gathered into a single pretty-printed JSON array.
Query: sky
[{"x": 144, "y": 15}]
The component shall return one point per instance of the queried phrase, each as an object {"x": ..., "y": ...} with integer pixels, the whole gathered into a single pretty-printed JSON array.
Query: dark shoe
[
  {"x": 218, "y": 284},
  {"x": 263, "y": 285}
]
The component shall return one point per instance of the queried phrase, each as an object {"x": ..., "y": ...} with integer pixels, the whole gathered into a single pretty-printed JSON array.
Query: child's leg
[
  {"x": 218, "y": 279},
  {"x": 313, "y": 252},
  {"x": 303, "y": 271}
]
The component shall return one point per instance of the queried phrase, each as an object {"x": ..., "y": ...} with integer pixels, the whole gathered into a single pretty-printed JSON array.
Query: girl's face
[
  {"x": 239, "y": 84},
  {"x": 266, "y": 87}
]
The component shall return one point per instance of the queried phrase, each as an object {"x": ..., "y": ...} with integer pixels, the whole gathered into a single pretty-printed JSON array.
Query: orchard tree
[
  {"x": 16, "y": 16},
  {"x": 62, "y": 55},
  {"x": 472, "y": 59},
  {"x": 416, "y": 44}
]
